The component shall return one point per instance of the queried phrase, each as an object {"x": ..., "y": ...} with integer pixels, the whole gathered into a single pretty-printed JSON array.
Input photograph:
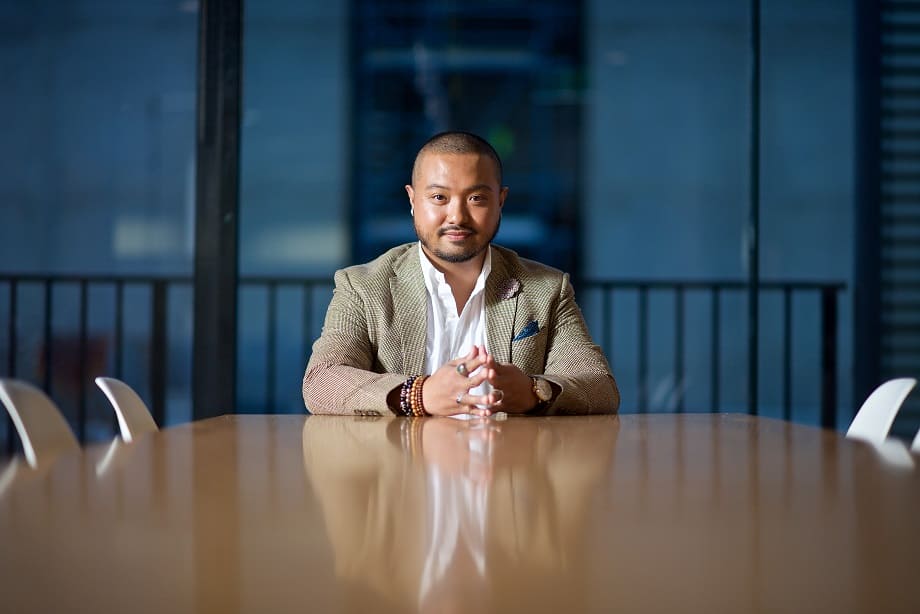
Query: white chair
[
  {"x": 134, "y": 418},
  {"x": 42, "y": 429},
  {"x": 874, "y": 418}
]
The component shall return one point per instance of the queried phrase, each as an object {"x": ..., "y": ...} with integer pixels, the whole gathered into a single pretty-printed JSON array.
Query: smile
[{"x": 456, "y": 235}]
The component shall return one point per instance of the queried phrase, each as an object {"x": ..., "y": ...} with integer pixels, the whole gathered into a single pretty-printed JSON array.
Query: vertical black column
[
  {"x": 866, "y": 227},
  {"x": 217, "y": 207}
]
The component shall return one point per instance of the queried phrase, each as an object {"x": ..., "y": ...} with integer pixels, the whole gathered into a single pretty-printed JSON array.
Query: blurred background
[{"x": 626, "y": 132}]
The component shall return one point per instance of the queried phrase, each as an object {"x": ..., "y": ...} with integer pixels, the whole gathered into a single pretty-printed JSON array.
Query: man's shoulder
[
  {"x": 518, "y": 266},
  {"x": 380, "y": 269}
]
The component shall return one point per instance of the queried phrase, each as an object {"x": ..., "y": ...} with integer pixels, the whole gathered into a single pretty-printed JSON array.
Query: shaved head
[{"x": 458, "y": 143}]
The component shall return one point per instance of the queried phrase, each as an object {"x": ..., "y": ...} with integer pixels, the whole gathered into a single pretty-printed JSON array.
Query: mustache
[{"x": 445, "y": 230}]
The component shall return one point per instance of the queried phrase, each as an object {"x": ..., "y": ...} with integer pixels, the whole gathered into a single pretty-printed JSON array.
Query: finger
[
  {"x": 484, "y": 400},
  {"x": 467, "y": 403},
  {"x": 472, "y": 364},
  {"x": 474, "y": 380},
  {"x": 464, "y": 359}
]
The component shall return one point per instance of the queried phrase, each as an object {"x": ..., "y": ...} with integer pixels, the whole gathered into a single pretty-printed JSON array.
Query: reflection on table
[
  {"x": 449, "y": 515},
  {"x": 658, "y": 513}
]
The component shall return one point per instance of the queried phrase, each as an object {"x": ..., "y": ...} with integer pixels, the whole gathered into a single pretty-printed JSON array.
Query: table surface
[{"x": 654, "y": 513}]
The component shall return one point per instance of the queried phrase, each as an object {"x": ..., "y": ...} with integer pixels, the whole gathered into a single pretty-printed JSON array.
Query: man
[{"x": 454, "y": 324}]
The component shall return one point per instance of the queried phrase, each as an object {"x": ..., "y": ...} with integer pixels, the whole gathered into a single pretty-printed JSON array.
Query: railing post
[
  {"x": 270, "y": 347},
  {"x": 11, "y": 362},
  {"x": 158, "y": 353},
  {"x": 679, "y": 349},
  {"x": 829, "y": 357},
  {"x": 643, "y": 349},
  {"x": 83, "y": 358}
]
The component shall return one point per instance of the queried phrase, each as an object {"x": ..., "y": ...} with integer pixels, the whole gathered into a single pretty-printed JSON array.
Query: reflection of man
[
  {"x": 454, "y": 324},
  {"x": 436, "y": 514}
]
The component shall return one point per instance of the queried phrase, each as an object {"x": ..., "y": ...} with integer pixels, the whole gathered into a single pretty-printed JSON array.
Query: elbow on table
[
  {"x": 614, "y": 396},
  {"x": 314, "y": 398}
]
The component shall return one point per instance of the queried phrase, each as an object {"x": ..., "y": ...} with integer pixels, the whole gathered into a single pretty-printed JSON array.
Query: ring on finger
[
  {"x": 461, "y": 369},
  {"x": 498, "y": 394},
  {"x": 459, "y": 398}
]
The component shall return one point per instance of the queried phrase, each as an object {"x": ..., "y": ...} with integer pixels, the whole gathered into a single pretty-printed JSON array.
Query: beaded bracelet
[
  {"x": 405, "y": 399},
  {"x": 416, "y": 400}
]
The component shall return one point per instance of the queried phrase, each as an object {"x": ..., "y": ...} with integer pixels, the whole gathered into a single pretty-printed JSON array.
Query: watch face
[{"x": 542, "y": 389}]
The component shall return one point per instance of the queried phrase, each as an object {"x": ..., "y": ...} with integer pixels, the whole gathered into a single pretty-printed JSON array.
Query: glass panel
[
  {"x": 97, "y": 178},
  {"x": 807, "y": 208},
  {"x": 293, "y": 198},
  {"x": 625, "y": 130},
  {"x": 666, "y": 198}
]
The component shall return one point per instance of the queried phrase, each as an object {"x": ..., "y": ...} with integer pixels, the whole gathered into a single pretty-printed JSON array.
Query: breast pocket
[{"x": 529, "y": 353}]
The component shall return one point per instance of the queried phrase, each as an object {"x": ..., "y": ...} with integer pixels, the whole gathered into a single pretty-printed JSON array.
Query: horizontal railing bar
[
  {"x": 670, "y": 284},
  {"x": 286, "y": 280},
  {"x": 67, "y": 278},
  {"x": 72, "y": 278},
  {"x": 695, "y": 284}
]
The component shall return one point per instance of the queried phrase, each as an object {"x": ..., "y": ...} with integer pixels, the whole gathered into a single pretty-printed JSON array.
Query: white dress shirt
[{"x": 452, "y": 335}]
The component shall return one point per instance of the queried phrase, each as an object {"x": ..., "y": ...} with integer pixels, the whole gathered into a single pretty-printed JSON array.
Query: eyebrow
[{"x": 478, "y": 186}]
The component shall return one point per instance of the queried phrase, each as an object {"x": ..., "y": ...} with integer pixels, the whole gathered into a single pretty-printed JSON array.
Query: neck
[{"x": 460, "y": 276}]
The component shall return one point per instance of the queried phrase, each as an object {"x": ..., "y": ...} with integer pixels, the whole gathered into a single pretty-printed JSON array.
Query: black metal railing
[
  {"x": 826, "y": 293},
  {"x": 50, "y": 340}
]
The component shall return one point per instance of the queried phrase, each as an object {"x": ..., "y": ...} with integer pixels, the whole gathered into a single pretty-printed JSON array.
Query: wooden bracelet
[{"x": 416, "y": 399}]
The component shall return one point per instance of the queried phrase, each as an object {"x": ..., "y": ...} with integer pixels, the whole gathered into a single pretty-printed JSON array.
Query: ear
[
  {"x": 411, "y": 194},
  {"x": 502, "y": 196}
]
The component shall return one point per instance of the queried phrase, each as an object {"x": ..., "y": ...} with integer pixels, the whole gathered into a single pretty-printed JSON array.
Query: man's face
[{"x": 457, "y": 204}]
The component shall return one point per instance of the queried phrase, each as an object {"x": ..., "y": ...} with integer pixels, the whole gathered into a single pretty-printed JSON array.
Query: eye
[
  {"x": 477, "y": 198},
  {"x": 438, "y": 198}
]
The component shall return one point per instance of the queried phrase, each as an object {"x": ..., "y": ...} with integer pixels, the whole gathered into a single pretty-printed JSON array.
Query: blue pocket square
[{"x": 528, "y": 331}]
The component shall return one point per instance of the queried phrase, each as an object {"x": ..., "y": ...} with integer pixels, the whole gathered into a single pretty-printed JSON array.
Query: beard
[{"x": 465, "y": 252}]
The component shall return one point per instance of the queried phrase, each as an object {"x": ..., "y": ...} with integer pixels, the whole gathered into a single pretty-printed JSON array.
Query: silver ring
[
  {"x": 461, "y": 369},
  {"x": 459, "y": 398}
]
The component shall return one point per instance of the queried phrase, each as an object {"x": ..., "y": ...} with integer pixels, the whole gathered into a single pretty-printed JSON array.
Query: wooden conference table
[{"x": 658, "y": 513}]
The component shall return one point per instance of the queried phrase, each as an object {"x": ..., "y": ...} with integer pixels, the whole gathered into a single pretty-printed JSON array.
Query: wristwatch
[{"x": 543, "y": 391}]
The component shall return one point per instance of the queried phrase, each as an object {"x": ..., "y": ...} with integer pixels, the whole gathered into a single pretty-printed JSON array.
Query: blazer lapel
[
  {"x": 410, "y": 311},
  {"x": 500, "y": 311}
]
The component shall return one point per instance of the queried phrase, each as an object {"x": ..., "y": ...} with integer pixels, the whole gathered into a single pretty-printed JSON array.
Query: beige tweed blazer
[{"x": 375, "y": 331}]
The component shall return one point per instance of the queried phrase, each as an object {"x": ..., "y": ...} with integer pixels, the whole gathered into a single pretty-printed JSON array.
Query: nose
[{"x": 456, "y": 211}]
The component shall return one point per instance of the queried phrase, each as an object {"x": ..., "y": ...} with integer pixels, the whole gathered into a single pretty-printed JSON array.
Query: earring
[{"x": 412, "y": 211}]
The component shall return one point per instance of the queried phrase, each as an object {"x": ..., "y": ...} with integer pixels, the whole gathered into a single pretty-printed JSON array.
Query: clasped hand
[{"x": 447, "y": 391}]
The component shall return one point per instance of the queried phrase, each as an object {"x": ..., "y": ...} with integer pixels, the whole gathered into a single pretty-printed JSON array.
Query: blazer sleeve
[
  {"x": 576, "y": 364},
  {"x": 339, "y": 378}
]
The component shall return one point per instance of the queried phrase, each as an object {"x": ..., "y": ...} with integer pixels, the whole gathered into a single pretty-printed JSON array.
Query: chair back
[
  {"x": 134, "y": 418},
  {"x": 874, "y": 418},
  {"x": 42, "y": 429}
]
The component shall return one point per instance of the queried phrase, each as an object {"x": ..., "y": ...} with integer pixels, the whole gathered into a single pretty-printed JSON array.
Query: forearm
[
  {"x": 584, "y": 393},
  {"x": 577, "y": 365},
  {"x": 340, "y": 389}
]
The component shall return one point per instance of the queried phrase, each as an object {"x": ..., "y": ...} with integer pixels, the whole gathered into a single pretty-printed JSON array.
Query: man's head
[
  {"x": 456, "y": 196},
  {"x": 458, "y": 143}
]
